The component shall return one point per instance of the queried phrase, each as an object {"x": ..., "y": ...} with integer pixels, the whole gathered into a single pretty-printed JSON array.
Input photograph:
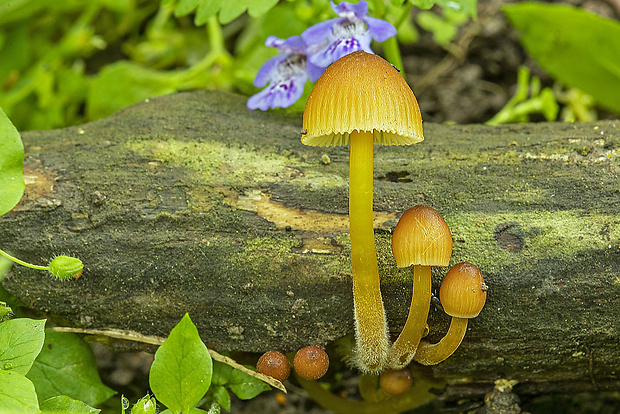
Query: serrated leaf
[
  {"x": 231, "y": 10},
  {"x": 64, "y": 404},
  {"x": 245, "y": 386},
  {"x": 21, "y": 341},
  {"x": 257, "y": 8},
  {"x": 185, "y": 7},
  {"x": 576, "y": 47},
  {"x": 11, "y": 160},
  {"x": 228, "y": 9},
  {"x": 17, "y": 394},
  {"x": 66, "y": 366},
  {"x": 182, "y": 369},
  {"x": 206, "y": 10}
]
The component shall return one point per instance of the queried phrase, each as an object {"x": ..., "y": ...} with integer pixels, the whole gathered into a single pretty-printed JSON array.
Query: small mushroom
[
  {"x": 361, "y": 100},
  {"x": 396, "y": 381},
  {"x": 421, "y": 239},
  {"x": 462, "y": 294},
  {"x": 311, "y": 362},
  {"x": 274, "y": 364}
]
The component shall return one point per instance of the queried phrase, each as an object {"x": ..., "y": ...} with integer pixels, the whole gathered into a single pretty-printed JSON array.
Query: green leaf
[
  {"x": 181, "y": 372},
  {"x": 221, "y": 373},
  {"x": 21, "y": 341},
  {"x": 222, "y": 397},
  {"x": 11, "y": 160},
  {"x": 66, "y": 366},
  {"x": 442, "y": 29},
  {"x": 192, "y": 411},
  {"x": 17, "y": 394},
  {"x": 245, "y": 386},
  {"x": 467, "y": 7},
  {"x": 122, "y": 84},
  {"x": 423, "y": 4},
  {"x": 64, "y": 404},
  {"x": 576, "y": 47},
  {"x": 228, "y": 9}
]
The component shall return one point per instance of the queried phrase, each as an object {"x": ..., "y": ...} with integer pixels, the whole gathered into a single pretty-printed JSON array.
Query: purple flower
[
  {"x": 328, "y": 41},
  {"x": 285, "y": 73}
]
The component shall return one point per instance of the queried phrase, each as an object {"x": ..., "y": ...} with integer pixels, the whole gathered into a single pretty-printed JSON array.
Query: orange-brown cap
[
  {"x": 463, "y": 291},
  {"x": 361, "y": 92},
  {"x": 275, "y": 364},
  {"x": 311, "y": 362},
  {"x": 421, "y": 237},
  {"x": 396, "y": 381}
]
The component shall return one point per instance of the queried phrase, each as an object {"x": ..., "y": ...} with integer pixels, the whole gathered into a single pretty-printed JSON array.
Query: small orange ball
[
  {"x": 275, "y": 364},
  {"x": 396, "y": 381},
  {"x": 311, "y": 362}
]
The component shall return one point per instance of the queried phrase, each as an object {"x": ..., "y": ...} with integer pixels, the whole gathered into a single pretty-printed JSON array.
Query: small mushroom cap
[
  {"x": 396, "y": 381},
  {"x": 463, "y": 291},
  {"x": 275, "y": 364},
  {"x": 421, "y": 237},
  {"x": 361, "y": 92},
  {"x": 311, "y": 362}
]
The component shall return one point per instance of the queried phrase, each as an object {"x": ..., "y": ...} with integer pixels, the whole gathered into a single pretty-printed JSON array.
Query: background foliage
[{"x": 70, "y": 62}]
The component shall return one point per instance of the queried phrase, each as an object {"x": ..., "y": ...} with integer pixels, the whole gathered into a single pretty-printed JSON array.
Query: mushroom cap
[
  {"x": 463, "y": 291},
  {"x": 396, "y": 381},
  {"x": 421, "y": 237},
  {"x": 361, "y": 92},
  {"x": 274, "y": 364},
  {"x": 311, "y": 362}
]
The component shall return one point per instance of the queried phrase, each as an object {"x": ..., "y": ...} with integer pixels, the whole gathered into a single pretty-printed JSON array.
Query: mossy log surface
[{"x": 191, "y": 203}]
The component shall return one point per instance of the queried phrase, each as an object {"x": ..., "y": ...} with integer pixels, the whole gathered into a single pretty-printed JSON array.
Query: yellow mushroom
[
  {"x": 361, "y": 100},
  {"x": 462, "y": 294},
  {"x": 421, "y": 239}
]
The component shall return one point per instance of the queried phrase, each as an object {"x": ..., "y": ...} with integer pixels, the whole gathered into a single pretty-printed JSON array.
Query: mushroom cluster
[
  {"x": 361, "y": 100},
  {"x": 420, "y": 240}
]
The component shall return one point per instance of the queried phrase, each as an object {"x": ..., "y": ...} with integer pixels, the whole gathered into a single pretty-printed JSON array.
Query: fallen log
[{"x": 191, "y": 203}]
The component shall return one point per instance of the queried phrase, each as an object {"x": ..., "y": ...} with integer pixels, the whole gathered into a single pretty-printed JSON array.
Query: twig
[{"x": 158, "y": 340}]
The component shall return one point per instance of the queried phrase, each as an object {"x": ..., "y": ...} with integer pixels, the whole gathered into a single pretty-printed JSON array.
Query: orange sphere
[
  {"x": 275, "y": 364},
  {"x": 311, "y": 362},
  {"x": 396, "y": 381}
]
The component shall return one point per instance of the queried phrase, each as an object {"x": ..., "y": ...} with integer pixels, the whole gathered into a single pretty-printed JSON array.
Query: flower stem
[
  {"x": 370, "y": 322},
  {"x": 406, "y": 345},
  {"x": 392, "y": 54},
  {"x": 431, "y": 354},
  {"x": 21, "y": 262}
]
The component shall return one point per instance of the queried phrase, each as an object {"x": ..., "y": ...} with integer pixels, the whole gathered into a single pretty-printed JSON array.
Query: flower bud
[
  {"x": 146, "y": 405},
  {"x": 64, "y": 267}
]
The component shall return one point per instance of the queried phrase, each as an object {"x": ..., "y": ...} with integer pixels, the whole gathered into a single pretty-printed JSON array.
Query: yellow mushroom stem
[
  {"x": 431, "y": 354},
  {"x": 370, "y": 322},
  {"x": 406, "y": 344}
]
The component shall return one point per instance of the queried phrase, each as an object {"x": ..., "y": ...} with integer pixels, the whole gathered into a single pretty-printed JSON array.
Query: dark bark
[{"x": 190, "y": 203}]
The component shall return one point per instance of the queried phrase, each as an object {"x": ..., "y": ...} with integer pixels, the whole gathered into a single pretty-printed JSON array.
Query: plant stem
[
  {"x": 407, "y": 343},
  {"x": 21, "y": 262},
  {"x": 431, "y": 354},
  {"x": 370, "y": 323}
]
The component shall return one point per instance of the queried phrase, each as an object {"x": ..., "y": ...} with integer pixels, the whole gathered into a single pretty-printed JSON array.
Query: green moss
[
  {"x": 546, "y": 235},
  {"x": 214, "y": 162}
]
